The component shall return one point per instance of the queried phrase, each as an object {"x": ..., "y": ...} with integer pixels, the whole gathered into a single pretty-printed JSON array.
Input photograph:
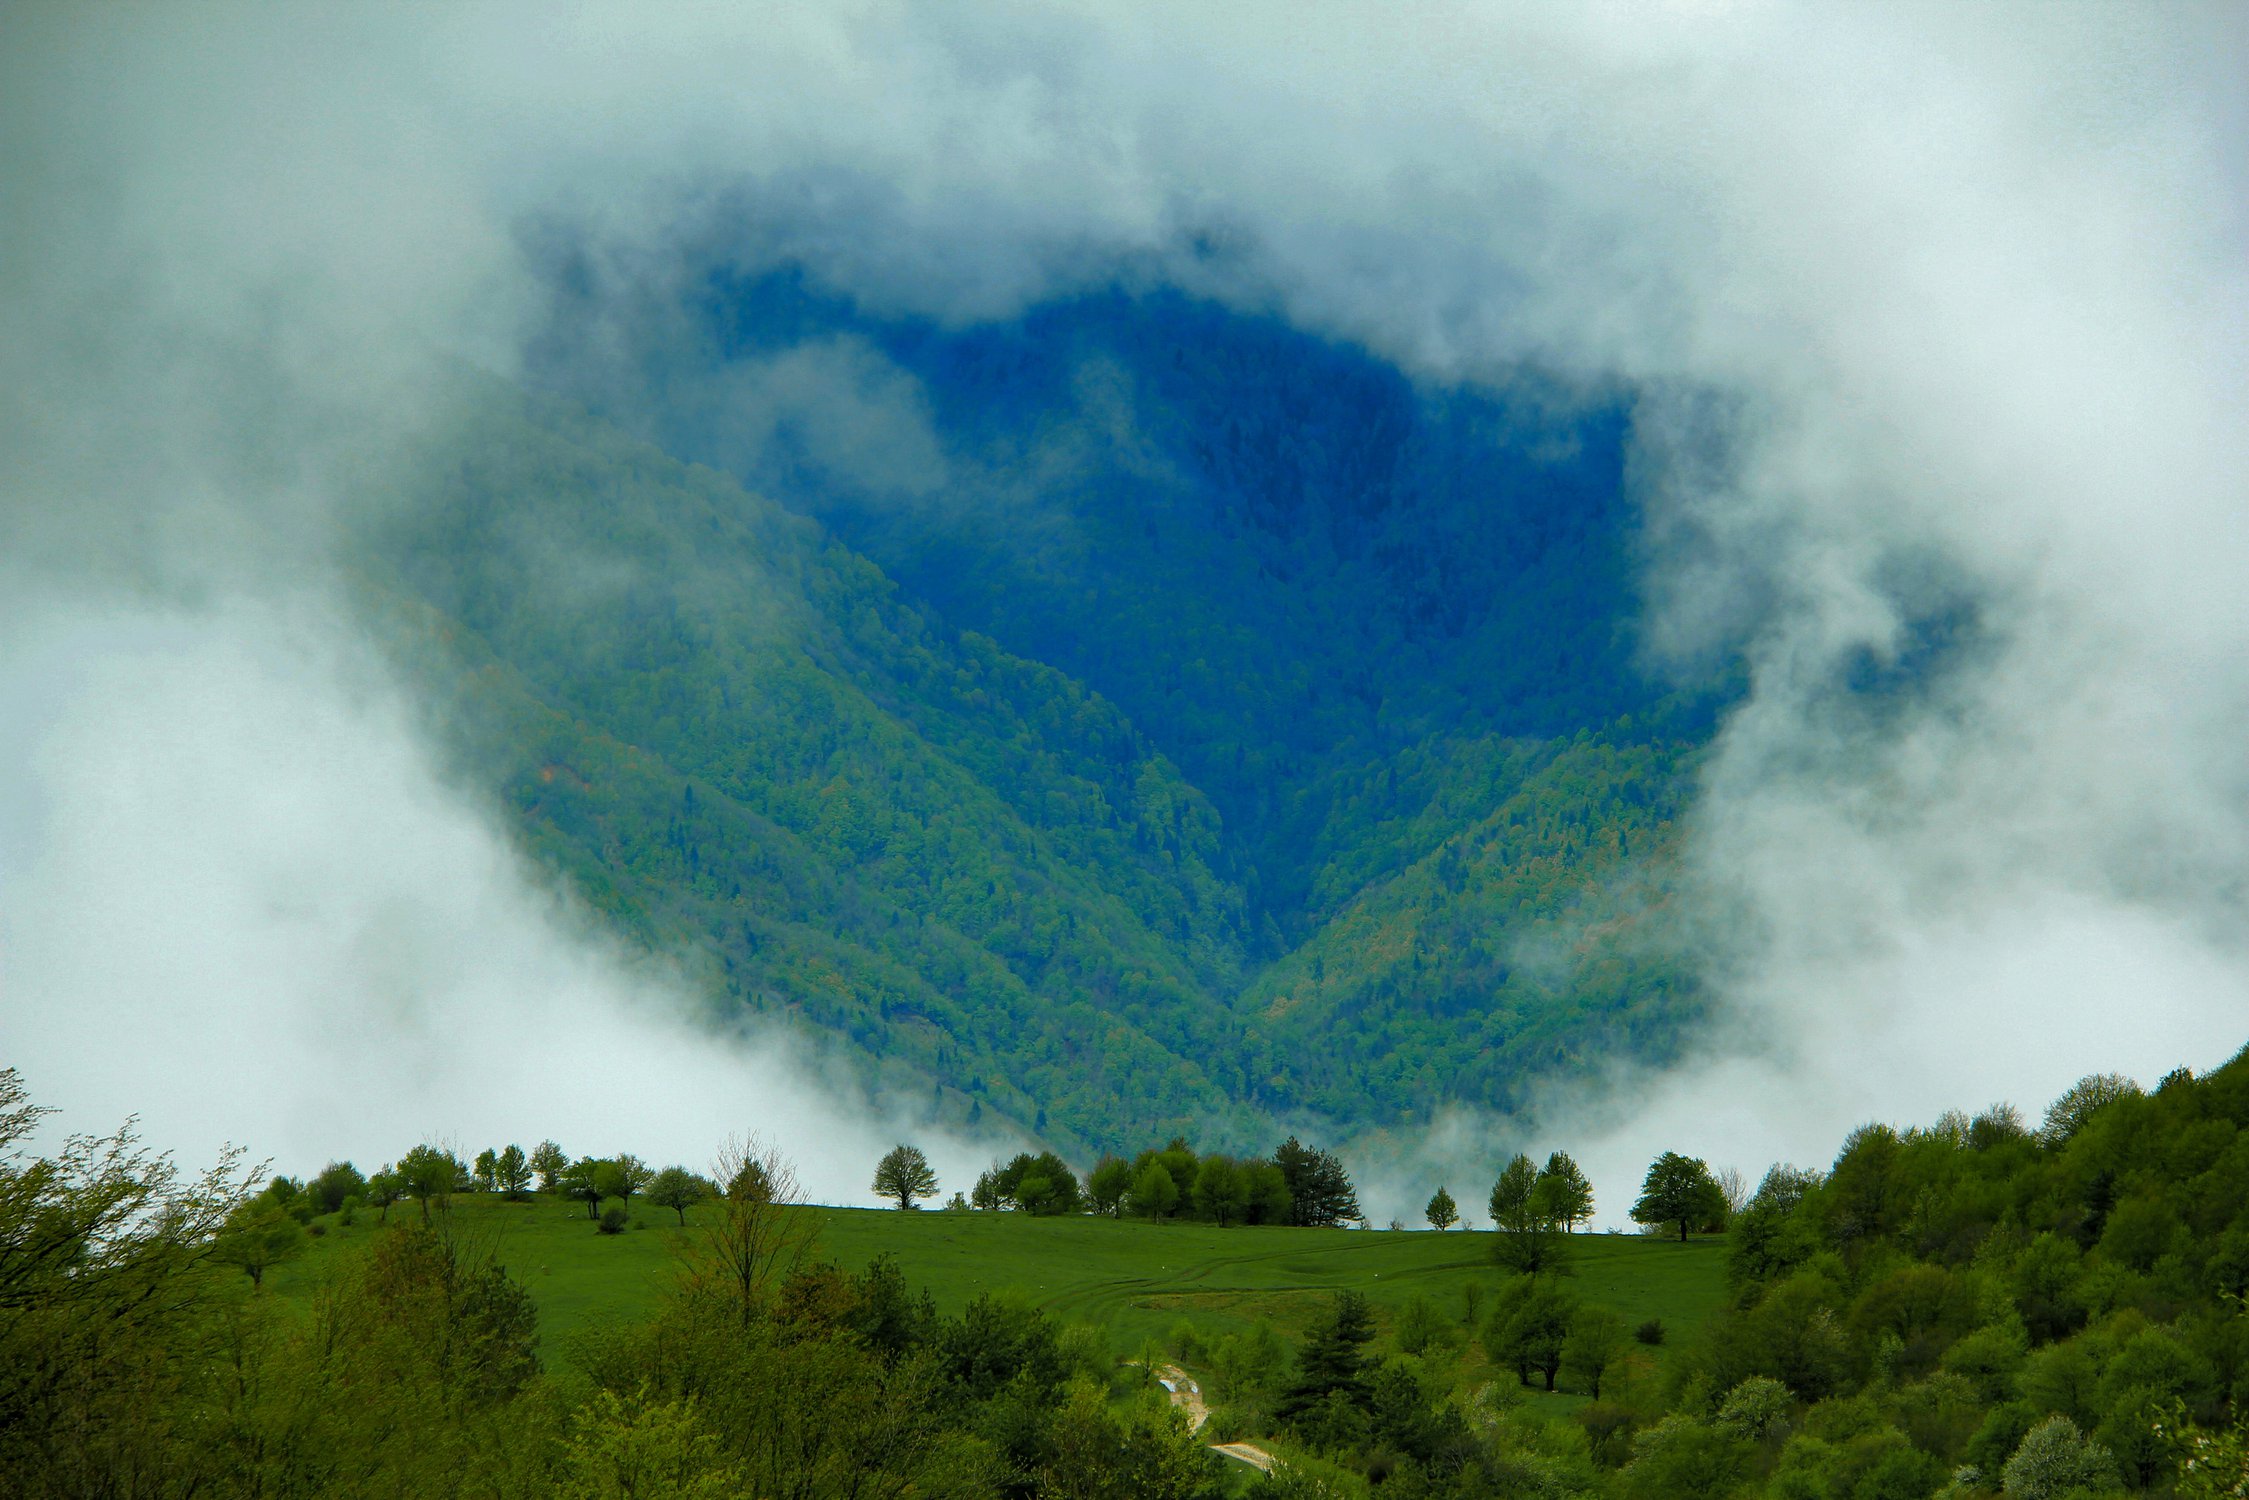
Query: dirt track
[{"x": 1188, "y": 1397}]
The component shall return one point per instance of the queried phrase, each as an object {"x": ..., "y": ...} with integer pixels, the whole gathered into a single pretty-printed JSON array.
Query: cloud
[
  {"x": 1935, "y": 318},
  {"x": 238, "y": 898}
]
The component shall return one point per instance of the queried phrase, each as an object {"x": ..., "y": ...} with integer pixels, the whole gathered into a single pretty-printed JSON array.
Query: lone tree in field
[
  {"x": 1562, "y": 1192},
  {"x": 1442, "y": 1211},
  {"x": 677, "y": 1189},
  {"x": 905, "y": 1174},
  {"x": 1680, "y": 1190}
]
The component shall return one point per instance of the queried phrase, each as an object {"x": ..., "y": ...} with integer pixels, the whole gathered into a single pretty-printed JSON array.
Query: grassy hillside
[{"x": 1140, "y": 1283}]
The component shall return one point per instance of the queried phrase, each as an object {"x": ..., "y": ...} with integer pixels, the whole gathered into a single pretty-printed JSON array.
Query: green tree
[
  {"x": 1593, "y": 1345},
  {"x": 514, "y": 1173},
  {"x": 622, "y": 1176},
  {"x": 1680, "y": 1190},
  {"x": 1154, "y": 1195},
  {"x": 101, "y": 1303},
  {"x": 1107, "y": 1186},
  {"x": 337, "y": 1181},
  {"x": 585, "y": 1181},
  {"x": 550, "y": 1162},
  {"x": 383, "y": 1189},
  {"x": 485, "y": 1173},
  {"x": 1320, "y": 1190},
  {"x": 2054, "y": 1460},
  {"x": 1442, "y": 1212},
  {"x": 258, "y": 1237},
  {"x": 1529, "y": 1239},
  {"x": 430, "y": 1174},
  {"x": 1265, "y": 1194},
  {"x": 623, "y": 1449},
  {"x": 1331, "y": 1364},
  {"x": 677, "y": 1189},
  {"x": 1530, "y": 1328},
  {"x": 1511, "y": 1203},
  {"x": 1219, "y": 1194},
  {"x": 1562, "y": 1192},
  {"x": 2068, "y": 1114},
  {"x": 904, "y": 1174}
]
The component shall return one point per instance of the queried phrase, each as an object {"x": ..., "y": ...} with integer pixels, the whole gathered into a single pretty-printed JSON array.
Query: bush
[
  {"x": 1650, "y": 1332},
  {"x": 612, "y": 1221}
]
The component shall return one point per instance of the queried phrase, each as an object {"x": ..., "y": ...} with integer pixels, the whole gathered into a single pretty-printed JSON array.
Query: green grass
[{"x": 1138, "y": 1280}]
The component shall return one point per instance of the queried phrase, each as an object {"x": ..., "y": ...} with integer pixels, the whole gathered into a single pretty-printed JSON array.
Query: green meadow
[{"x": 1152, "y": 1287}]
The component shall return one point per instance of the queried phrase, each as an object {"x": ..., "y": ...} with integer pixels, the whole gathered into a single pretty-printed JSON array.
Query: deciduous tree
[
  {"x": 550, "y": 1162},
  {"x": 1110, "y": 1181},
  {"x": 514, "y": 1172},
  {"x": 904, "y": 1174},
  {"x": 1680, "y": 1190},
  {"x": 430, "y": 1174},
  {"x": 1442, "y": 1212},
  {"x": 677, "y": 1189},
  {"x": 1562, "y": 1191}
]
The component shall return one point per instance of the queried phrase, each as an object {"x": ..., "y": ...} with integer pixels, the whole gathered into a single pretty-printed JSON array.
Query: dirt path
[
  {"x": 1249, "y": 1453},
  {"x": 1188, "y": 1397}
]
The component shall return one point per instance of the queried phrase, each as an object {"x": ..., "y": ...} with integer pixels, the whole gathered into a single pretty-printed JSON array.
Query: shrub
[
  {"x": 612, "y": 1221},
  {"x": 1650, "y": 1332}
]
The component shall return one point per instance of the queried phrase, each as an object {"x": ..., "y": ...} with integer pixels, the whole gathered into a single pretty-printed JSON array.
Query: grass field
[{"x": 1138, "y": 1280}]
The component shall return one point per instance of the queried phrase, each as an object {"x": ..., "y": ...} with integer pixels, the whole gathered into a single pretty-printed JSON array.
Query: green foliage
[
  {"x": 430, "y": 1175},
  {"x": 337, "y": 1181},
  {"x": 890, "y": 814},
  {"x": 2057, "y": 1460},
  {"x": 1329, "y": 1385},
  {"x": 1561, "y": 1193},
  {"x": 550, "y": 1162},
  {"x": 257, "y": 1237},
  {"x": 1529, "y": 1329},
  {"x": 904, "y": 1174},
  {"x": 1319, "y": 1189},
  {"x": 1680, "y": 1190},
  {"x": 679, "y": 1190},
  {"x": 1442, "y": 1213},
  {"x": 622, "y": 1448}
]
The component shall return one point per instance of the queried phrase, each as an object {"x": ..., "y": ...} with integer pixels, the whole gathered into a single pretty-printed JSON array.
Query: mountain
[{"x": 1135, "y": 717}]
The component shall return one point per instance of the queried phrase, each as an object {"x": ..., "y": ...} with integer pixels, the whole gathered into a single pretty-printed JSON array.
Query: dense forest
[
  {"x": 1973, "y": 1308},
  {"x": 1294, "y": 760}
]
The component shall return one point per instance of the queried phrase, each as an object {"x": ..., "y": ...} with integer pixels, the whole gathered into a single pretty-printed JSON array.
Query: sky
[{"x": 1919, "y": 306}]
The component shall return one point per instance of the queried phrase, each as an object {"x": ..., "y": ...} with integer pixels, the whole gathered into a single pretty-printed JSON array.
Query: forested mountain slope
[{"x": 1218, "y": 727}]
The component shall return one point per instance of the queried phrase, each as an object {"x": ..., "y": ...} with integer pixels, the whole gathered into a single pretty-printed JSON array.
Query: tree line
[{"x": 1297, "y": 1185}]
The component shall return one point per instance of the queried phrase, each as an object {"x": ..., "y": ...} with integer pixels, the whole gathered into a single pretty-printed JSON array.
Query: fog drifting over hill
[{"x": 1927, "y": 312}]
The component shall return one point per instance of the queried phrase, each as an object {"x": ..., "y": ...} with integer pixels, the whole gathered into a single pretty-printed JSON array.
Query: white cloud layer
[{"x": 1965, "y": 287}]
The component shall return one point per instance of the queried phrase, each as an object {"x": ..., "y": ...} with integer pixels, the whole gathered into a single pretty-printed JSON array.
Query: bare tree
[
  {"x": 1735, "y": 1187},
  {"x": 761, "y": 1231}
]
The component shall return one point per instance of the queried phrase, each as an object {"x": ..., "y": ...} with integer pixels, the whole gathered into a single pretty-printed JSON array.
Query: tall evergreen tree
[
  {"x": 1331, "y": 1363},
  {"x": 1320, "y": 1190}
]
